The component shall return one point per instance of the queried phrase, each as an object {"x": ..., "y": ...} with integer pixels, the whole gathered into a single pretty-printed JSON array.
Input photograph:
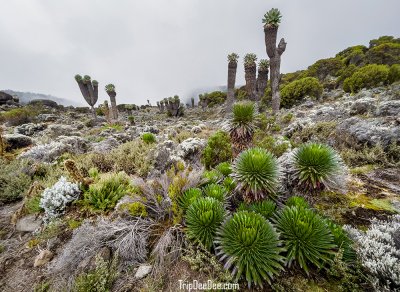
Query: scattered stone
[
  {"x": 17, "y": 141},
  {"x": 196, "y": 129},
  {"x": 29, "y": 129},
  {"x": 28, "y": 223},
  {"x": 43, "y": 258},
  {"x": 389, "y": 108},
  {"x": 363, "y": 106},
  {"x": 47, "y": 117},
  {"x": 143, "y": 271},
  {"x": 105, "y": 146},
  {"x": 190, "y": 147}
]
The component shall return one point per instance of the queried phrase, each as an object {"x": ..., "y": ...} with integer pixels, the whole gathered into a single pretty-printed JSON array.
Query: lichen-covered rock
[
  {"x": 370, "y": 131},
  {"x": 105, "y": 146},
  {"x": 56, "y": 130},
  {"x": 363, "y": 106},
  {"x": 190, "y": 147},
  {"x": 28, "y": 223},
  {"x": 17, "y": 141},
  {"x": 196, "y": 130},
  {"x": 389, "y": 108},
  {"x": 29, "y": 129},
  {"x": 51, "y": 151}
]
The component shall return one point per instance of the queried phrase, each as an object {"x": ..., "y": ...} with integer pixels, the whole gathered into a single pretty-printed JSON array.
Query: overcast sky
[{"x": 151, "y": 49}]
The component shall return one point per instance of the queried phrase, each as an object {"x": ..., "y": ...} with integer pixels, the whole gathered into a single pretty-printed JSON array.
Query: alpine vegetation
[
  {"x": 272, "y": 20},
  {"x": 317, "y": 167},
  {"x": 242, "y": 126},
  {"x": 307, "y": 237},
  {"x": 257, "y": 174},
  {"x": 54, "y": 200},
  {"x": 378, "y": 249},
  {"x": 250, "y": 247},
  {"x": 202, "y": 219}
]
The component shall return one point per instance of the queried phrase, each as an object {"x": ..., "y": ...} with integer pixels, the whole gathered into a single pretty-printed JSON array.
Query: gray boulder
[
  {"x": 28, "y": 224},
  {"x": 389, "y": 108},
  {"x": 51, "y": 151},
  {"x": 29, "y": 129},
  {"x": 363, "y": 106},
  {"x": 191, "y": 148},
  {"x": 105, "y": 146},
  {"x": 370, "y": 132},
  {"x": 17, "y": 141}
]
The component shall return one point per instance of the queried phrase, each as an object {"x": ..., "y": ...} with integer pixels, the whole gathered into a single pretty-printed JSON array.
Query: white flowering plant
[
  {"x": 379, "y": 251},
  {"x": 55, "y": 199}
]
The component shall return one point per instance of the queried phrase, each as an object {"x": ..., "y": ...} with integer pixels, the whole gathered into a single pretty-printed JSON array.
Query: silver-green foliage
[
  {"x": 203, "y": 217},
  {"x": 257, "y": 173},
  {"x": 250, "y": 246},
  {"x": 307, "y": 237}
]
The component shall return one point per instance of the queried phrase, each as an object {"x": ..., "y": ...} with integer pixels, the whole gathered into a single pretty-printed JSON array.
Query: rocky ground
[{"x": 364, "y": 127}]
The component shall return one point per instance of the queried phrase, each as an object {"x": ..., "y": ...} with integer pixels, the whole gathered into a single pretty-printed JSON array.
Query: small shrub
[
  {"x": 18, "y": 116},
  {"x": 104, "y": 194},
  {"x": 224, "y": 168},
  {"x": 378, "y": 249},
  {"x": 345, "y": 73},
  {"x": 205, "y": 262},
  {"x": 135, "y": 209},
  {"x": 296, "y": 201},
  {"x": 324, "y": 67},
  {"x": 100, "y": 279},
  {"x": 353, "y": 55},
  {"x": 394, "y": 73},
  {"x": 343, "y": 242},
  {"x": 306, "y": 237},
  {"x": 203, "y": 218},
  {"x": 265, "y": 208},
  {"x": 269, "y": 143},
  {"x": 13, "y": 181},
  {"x": 295, "y": 91},
  {"x": 366, "y": 77},
  {"x": 257, "y": 173},
  {"x": 212, "y": 176},
  {"x": 287, "y": 118},
  {"x": 385, "y": 53},
  {"x": 251, "y": 247},
  {"x": 316, "y": 167},
  {"x": 32, "y": 205},
  {"x": 217, "y": 150},
  {"x": 229, "y": 183},
  {"x": 148, "y": 138},
  {"x": 214, "y": 98},
  {"x": 215, "y": 191},
  {"x": 54, "y": 200},
  {"x": 133, "y": 158}
]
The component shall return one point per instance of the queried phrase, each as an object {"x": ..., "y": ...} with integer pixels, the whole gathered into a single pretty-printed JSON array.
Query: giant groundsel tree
[
  {"x": 271, "y": 22},
  {"x": 110, "y": 89},
  {"x": 232, "y": 67},
  {"x": 89, "y": 90},
  {"x": 250, "y": 75},
  {"x": 262, "y": 78}
]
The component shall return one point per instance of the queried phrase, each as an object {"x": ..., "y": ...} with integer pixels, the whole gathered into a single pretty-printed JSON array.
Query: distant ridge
[{"x": 25, "y": 97}]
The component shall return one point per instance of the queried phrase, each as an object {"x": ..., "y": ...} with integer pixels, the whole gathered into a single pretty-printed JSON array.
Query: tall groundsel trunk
[
  {"x": 110, "y": 89},
  {"x": 250, "y": 75},
  {"x": 262, "y": 79},
  {"x": 232, "y": 68},
  {"x": 274, "y": 53}
]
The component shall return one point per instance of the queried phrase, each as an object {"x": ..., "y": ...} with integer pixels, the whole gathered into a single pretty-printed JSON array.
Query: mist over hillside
[{"x": 25, "y": 97}]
